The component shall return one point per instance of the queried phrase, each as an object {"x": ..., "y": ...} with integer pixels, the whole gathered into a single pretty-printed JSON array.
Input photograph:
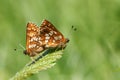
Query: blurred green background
[{"x": 94, "y": 49}]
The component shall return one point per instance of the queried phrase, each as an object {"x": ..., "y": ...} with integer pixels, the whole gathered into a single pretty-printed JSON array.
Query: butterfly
[{"x": 44, "y": 37}]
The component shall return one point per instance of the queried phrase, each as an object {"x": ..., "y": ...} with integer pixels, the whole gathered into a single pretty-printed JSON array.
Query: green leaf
[{"x": 45, "y": 62}]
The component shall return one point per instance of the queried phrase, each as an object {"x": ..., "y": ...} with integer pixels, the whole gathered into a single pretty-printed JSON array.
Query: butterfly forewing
[
  {"x": 40, "y": 38},
  {"x": 52, "y": 36}
]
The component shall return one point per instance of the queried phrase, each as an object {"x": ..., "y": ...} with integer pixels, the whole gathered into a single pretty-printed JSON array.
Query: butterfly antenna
[
  {"x": 72, "y": 29},
  {"x": 22, "y": 46}
]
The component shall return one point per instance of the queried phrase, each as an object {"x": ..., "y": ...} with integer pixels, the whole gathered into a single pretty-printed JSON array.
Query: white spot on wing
[
  {"x": 40, "y": 42},
  {"x": 31, "y": 40},
  {"x": 47, "y": 38},
  {"x": 34, "y": 39},
  {"x": 53, "y": 41},
  {"x": 39, "y": 38},
  {"x": 43, "y": 23},
  {"x": 37, "y": 46},
  {"x": 60, "y": 37},
  {"x": 51, "y": 33},
  {"x": 55, "y": 32},
  {"x": 30, "y": 34},
  {"x": 46, "y": 35},
  {"x": 32, "y": 45},
  {"x": 28, "y": 28},
  {"x": 46, "y": 41},
  {"x": 46, "y": 45},
  {"x": 56, "y": 38}
]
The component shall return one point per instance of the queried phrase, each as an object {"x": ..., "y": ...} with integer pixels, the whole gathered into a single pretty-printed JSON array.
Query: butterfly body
[{"x": 41, "y": 38}]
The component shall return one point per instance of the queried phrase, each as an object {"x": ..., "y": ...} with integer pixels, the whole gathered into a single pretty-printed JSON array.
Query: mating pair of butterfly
[{"x": 38, "y": 39}]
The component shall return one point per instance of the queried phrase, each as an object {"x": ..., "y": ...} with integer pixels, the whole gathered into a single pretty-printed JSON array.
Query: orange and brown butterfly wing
[
  {"x": 52, "y": 37},
  {"x": 33, "y": 44}
]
